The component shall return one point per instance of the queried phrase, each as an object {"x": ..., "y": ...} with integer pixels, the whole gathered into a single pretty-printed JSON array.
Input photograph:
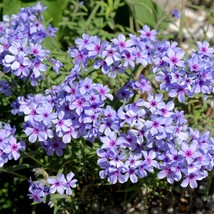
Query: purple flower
[
  {"x": 180, "y": 91},
  {"x": 121, "y": 43},
  {"x": 35, "y": 130},
  {"x": 111, "y": 55},
  {"x": 204, "y": 48},
  {"x": 110, "y": 141},
  {"x": 149, "y": 158},
  {"x": 154, "y": 102},
  {"x": 95, "y": 47},
  {"x": 189, "y": 152},
  {"x": 128, "y": 59},
  {"x": 116, "y": 174},
  {"x": 165, "y": 110},
  {"x": 169, "y": 172},
  {"x": 70, "y": 183},
  {"x": 78, "y": 105},
  {"x": 36, "y": 195},
  {"x": 57, "y": 184},
  {"x": 13, "y": 147},
  {"x": 191, "y": 179},
  {"x": 103, "y": 91},
  {"x": 62, "y": 124},
  {"x": 148, "y": 34},
  {"x": 132, "y": 174},
  {"x": 174, "y": 58},
  {"x": 176, "y": 13},
  {"x": 45, "y": 114},
  {"x": 83, "y": 42},
  {"x": 67, "y": 135},
  {"x": 195, "y": 64},
  {"x": 55, "y": 145}
]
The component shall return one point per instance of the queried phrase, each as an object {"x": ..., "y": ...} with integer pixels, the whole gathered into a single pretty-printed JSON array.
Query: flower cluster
[
  {"x": 71, "y": 110},
  {"x": 154, "y": 137},
  {"x": 142, "y": 137},
  {"x": 39, "y": 190},
  {"x": 9, "y": 147},
  {"x": 177, "y": 75},
  {"x": 21, "y": 51},
  {"x": 137, "y": 139}
]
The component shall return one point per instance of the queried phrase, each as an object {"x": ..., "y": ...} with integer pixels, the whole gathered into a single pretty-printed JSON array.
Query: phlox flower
[
  {"x": 146, "y": 33},
  {"x": 204, "y": 48},
  {"x": 174, "y": 58},
  {"x": 57, "y": 184},
  {"x": 116, "y": 174},
  {"x": 191, "y": 180},
  {"x": 121, "y": 43},
  {"x": 83, "y": 42},
  {"x": 13, "y": 147},
  {"x": 111, "y": 55},
  {"x": 69, "y": 183},
  {"x": 55, "y": 145},
  {"x": 103, "y": 91},
  {"x": 35, "y": 130},
  {"x": 110, "y": 141},
  {"x": 45, "y": 114},
  {"x": 189, "y": 152}
]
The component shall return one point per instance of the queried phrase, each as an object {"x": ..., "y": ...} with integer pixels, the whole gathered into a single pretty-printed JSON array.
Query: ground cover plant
[{"x": 112, "y": 113}]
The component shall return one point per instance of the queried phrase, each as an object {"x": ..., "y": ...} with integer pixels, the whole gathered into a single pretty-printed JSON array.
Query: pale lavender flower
[
  {"x": 205, "y": 49},
  {"x": 191, "y": 180},
  {"x": 70, "y": 183},
  {"x": 121, "y": 43},
  {"x": 146, "y": 33},
  {"x": 174, "y": 58},
  {"x": 13, "y": 148},
  {"x": 57, "y": 184}
]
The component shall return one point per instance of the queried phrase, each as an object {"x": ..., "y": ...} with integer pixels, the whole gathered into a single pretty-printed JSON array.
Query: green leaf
[{"x": 145, "y": 12}]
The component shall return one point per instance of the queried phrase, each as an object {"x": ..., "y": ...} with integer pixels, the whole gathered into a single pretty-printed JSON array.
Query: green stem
[
  {"x": 34, "y": 159},
  {"x": 14, "y": 173}
]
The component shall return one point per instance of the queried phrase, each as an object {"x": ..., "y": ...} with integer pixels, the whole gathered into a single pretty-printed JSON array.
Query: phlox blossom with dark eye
[
  {"x": 189, "y": 152},
  {"x": 55, "y": 145},
  {"x": 45, "y": 114},
  {"x": 146, "y": 33},
  {"x": 57, "y": 184},
  {"x": 121, "y": 43},
  {"x": 95, "y": 47},
  {"x": 70, "y": 183},
  {"x": 35, "y": 130},
  {"x": 191, "y": 180},
  {"x": 110, "y": 141},
  {"x": 110, "y": 54},
  {"x": 204, "y": 48},
  {"x": 103, "y": 91},
  {"x": 180, "y": 91},
  {"x": 13, "y": 148},
  {"x": 174, "y": 58},
  {"x": 168, "y": 172},
  {"x": 116, "y": 174},
  {"x": 82, "y": 42},
  {"x": 36, "y": 195}
]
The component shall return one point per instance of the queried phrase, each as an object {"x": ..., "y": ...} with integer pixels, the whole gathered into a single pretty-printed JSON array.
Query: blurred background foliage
[{"x": 106, "y": 19}]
